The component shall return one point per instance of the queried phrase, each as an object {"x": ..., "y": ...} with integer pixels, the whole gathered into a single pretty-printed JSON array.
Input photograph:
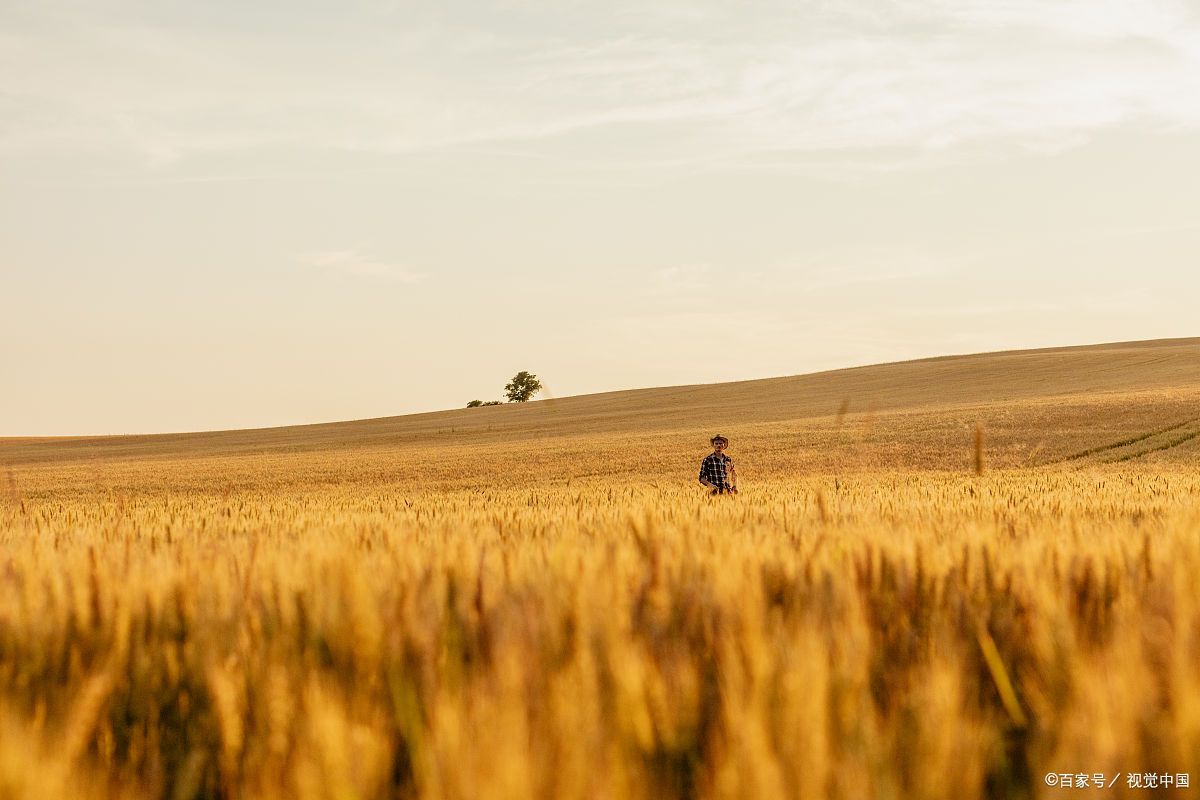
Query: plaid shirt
[{"x": 714, "y": 469}]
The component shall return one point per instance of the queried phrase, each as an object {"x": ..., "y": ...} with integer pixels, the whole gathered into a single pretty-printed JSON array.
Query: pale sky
[{"x": 228, "y": 214}]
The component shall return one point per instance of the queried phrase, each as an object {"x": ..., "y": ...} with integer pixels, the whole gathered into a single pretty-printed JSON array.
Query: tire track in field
[
  {"x": 1155, "y": 440},
  {"x": 1175, "y": 442}
]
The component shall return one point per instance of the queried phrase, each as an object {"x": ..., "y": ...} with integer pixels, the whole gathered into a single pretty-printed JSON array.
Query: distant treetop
[{"x": 522, "y": 387}]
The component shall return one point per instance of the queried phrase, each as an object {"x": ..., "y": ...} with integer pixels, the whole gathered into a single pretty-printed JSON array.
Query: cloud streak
[
  {"x": 352, "y": 262},
  {"x": 686, "y": 84}
]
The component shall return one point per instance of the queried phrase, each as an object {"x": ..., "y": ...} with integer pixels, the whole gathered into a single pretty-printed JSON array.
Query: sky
[{"x": 227, "y": 214}]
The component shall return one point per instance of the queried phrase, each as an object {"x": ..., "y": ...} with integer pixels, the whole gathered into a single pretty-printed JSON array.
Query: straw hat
[{"x": 717, "y": 438}]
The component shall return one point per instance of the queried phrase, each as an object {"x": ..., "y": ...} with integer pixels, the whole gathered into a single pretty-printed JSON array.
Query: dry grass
[{"x": 406, "y": 615}]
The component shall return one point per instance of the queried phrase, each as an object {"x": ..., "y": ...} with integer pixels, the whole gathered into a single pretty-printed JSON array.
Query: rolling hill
[{"x": 1130, "y": 402}]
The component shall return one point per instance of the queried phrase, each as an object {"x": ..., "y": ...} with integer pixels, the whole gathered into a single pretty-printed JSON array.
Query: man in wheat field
[{"x": 716, "y": 470}]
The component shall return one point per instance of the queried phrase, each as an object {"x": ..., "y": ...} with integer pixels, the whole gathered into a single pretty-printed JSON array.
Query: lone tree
[{"x": 522, "y": 387}]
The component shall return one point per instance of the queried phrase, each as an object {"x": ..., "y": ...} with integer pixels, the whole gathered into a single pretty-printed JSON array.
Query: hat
[{"x": 714, "y": 439}]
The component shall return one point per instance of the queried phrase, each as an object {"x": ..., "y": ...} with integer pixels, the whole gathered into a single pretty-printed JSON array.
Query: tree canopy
[{"x": 522, "y": 387}]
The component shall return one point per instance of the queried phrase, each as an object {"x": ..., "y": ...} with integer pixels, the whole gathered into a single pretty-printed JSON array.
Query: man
[{"x": 716, "y": 471}]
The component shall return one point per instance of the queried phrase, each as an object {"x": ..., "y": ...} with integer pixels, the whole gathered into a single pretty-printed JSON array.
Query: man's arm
[{"x": 703, "y": 473}]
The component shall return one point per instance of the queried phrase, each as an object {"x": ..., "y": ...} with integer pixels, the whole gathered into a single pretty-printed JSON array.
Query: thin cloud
[
  {"x": 905, "y": 75},
  {"x": 352, "y": 262},
  {"x": 682, "y": 278}
]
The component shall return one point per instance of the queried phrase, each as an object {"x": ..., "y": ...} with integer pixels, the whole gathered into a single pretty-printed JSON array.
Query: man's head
[{"x": 719, "y": 442}]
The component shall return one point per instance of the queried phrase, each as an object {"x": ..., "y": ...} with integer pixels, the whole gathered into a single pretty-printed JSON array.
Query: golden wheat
[{"x": 168, "y": 630}]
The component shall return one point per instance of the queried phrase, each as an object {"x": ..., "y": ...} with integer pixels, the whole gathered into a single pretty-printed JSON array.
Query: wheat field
[{"x": 538, "y": 601}]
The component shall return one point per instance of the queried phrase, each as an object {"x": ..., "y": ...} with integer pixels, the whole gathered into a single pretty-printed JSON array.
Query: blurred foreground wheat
[{"x": 912, "y": 635}]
